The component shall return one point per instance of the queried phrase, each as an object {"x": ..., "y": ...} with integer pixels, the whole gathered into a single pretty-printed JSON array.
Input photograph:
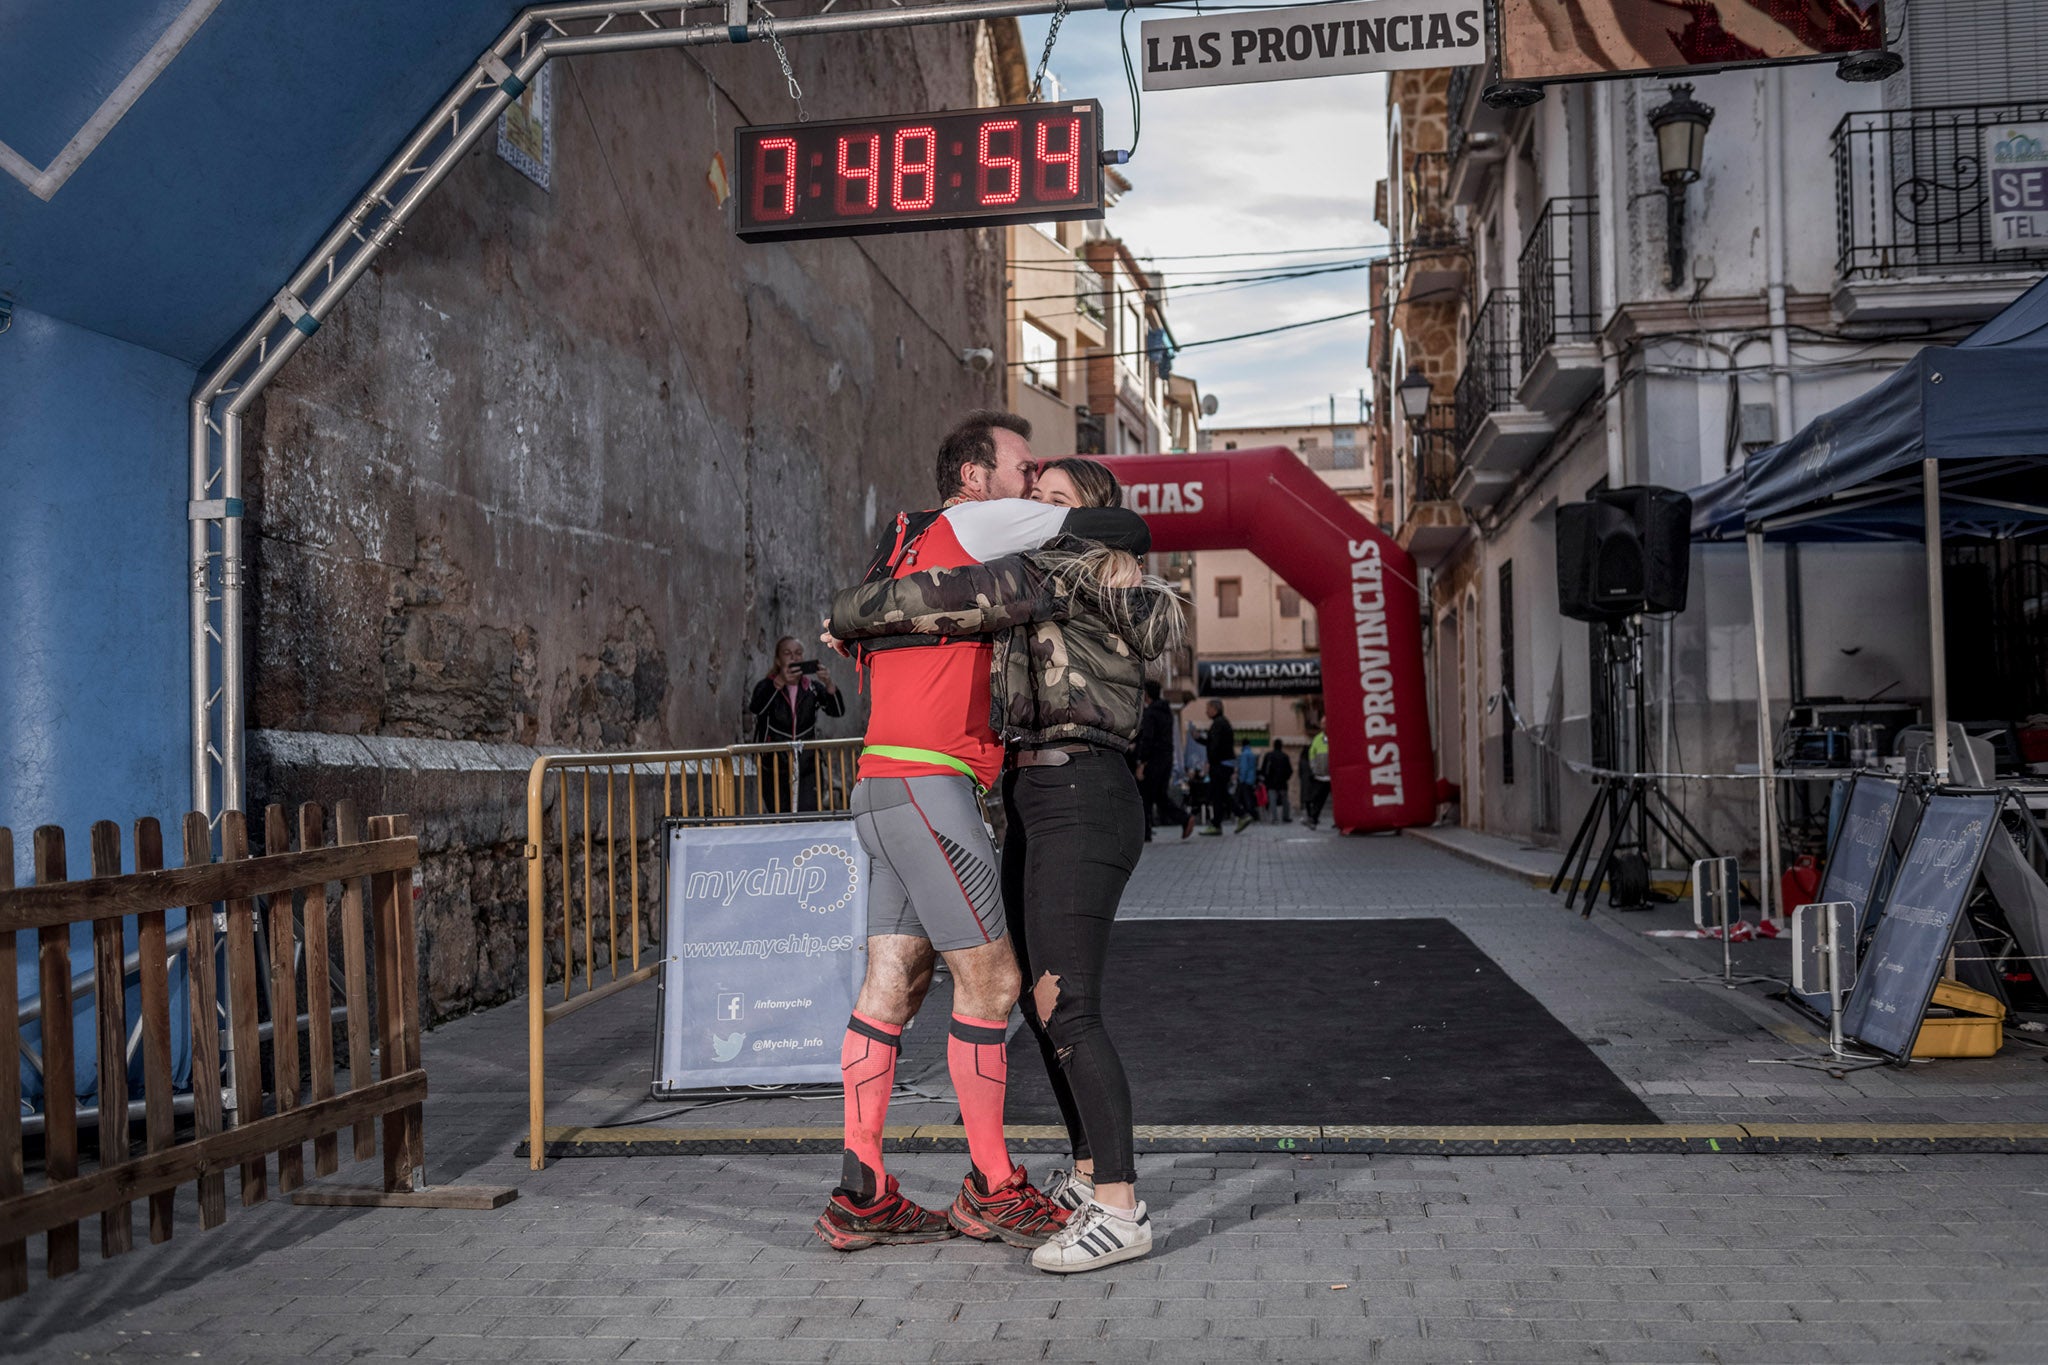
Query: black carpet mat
[{"x": 1401, "y": 1021}]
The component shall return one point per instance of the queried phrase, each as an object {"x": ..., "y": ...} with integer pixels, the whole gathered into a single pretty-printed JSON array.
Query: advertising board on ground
[
  {"x": 763, "y": 947},
  {"x": 1933, "y": 883}
]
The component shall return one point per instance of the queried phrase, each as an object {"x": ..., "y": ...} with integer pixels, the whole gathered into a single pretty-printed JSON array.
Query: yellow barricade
[{"x": 585, "y": 842}]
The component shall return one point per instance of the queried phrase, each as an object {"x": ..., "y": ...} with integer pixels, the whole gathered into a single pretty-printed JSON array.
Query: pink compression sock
[
  {"x": 867, "y": 1061},
  {"x": 978, "y": 1056}
]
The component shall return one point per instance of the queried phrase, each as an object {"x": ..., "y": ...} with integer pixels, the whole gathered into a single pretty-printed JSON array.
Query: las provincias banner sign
[{"x": 1314, "y": 40}]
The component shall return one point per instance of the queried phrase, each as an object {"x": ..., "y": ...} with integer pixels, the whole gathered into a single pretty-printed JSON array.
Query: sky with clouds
[{"x": 1279, "y": 166}]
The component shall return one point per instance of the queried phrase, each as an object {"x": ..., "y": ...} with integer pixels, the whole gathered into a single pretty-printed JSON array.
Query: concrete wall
[{"x": 564, "y": 467}]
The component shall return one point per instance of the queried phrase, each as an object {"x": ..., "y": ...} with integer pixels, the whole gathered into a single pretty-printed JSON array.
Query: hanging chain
[
  {"x": 1052, "y": 35},
  {"x": 796, "y": 92}
]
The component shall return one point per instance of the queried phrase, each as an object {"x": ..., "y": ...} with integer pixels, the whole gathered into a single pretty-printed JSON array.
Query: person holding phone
[{"x": 784, "y": 709}]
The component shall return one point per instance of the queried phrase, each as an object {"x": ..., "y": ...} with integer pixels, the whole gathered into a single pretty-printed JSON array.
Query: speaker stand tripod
[{"x": 1626, "y": 805}]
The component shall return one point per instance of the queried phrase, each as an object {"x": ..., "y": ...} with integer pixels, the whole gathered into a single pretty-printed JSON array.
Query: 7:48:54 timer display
[{"x": 1015, "y": 164}]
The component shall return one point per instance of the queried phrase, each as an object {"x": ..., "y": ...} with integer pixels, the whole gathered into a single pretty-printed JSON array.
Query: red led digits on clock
[
  {"x": 1069, "y": 160},
  {"x": 775, "y": 191},
  {"x": 1008, "y": 171},
  {"x": 866, "y": 178},
  {"x": 923, "y": 170}
]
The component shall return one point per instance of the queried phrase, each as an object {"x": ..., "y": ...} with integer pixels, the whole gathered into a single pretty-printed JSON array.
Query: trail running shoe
[
  {"x": 847, "y": 1226},
  {"x": 1069, "y": 1189},
  {"x": 1014, "y": 1211},
  {"x": 1096, "y": 1237}
]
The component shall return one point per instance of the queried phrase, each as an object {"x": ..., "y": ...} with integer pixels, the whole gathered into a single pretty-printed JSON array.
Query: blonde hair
[{"x": 1115, "y": 583}]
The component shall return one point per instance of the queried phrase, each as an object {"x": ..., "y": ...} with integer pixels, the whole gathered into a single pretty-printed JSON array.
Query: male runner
[{"x": 934, "y": 886}]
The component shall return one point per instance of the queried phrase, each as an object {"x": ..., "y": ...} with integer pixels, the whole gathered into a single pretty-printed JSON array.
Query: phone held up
[{"x": 807, "y": 666}]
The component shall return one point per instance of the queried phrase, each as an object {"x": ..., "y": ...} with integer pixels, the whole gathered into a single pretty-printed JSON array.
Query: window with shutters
[
  {"x": 1972, "y": 52},
  {"x": 1229, "y": 592},
  {"x": 1290, "y": 602}
]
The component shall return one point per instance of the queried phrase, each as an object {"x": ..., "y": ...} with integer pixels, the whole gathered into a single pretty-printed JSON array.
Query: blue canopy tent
[{"x": 1953, "y": 443}]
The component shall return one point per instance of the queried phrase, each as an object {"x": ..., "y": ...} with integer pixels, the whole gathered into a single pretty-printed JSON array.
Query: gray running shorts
[{"x": 933, "y": 871}]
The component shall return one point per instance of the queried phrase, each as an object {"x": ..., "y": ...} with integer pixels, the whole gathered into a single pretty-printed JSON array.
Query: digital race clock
[{"x": 1024, "y": 163}]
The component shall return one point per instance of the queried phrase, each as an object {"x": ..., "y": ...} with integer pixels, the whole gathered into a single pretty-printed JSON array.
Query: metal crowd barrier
[{"x": 591, "y": 820}]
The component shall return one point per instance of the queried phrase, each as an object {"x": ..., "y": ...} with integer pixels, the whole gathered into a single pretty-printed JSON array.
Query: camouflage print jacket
[{"x": 1062, "y": 670}]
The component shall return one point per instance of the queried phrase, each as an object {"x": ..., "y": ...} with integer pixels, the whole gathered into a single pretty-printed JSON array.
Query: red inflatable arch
[{"x": 1382, "y": 774}]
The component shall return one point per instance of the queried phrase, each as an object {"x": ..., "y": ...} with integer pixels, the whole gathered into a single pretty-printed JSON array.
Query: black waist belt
[{"x": 1053, "y": 755}]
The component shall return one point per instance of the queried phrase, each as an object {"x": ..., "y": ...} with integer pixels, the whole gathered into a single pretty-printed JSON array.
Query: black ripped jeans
[{"x": 1074, "y": 834}]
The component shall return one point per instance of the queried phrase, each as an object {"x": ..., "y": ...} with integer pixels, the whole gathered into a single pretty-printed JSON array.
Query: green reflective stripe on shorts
[{"x": 906, "y": 754}]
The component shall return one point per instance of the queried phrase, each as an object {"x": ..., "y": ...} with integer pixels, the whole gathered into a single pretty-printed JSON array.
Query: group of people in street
[{"x": 1227, "y": 778}]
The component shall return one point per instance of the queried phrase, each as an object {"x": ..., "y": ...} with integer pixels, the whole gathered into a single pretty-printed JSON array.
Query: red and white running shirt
[{"x": 937, "y": 697}]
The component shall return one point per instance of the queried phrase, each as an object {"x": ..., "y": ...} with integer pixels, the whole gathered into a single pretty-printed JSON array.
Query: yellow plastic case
[{"x": 1976, "y": 1028}]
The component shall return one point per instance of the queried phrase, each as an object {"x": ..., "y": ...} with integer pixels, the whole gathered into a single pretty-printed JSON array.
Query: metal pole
[
  {"x": 1937, "y": 632},
  {"x": 231, "y": 648},
  {"x": 199, "y": 593},
  {"x": 1767, "y": 812}
]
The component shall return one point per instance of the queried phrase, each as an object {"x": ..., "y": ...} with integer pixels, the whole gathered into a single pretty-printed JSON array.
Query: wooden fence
[{"x": 231, "y": 1124}]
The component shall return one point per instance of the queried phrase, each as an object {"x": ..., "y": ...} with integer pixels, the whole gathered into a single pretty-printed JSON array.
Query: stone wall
[{"x": 566, "y": 464}]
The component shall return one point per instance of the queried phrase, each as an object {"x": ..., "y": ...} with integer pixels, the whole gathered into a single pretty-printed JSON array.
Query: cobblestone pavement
[{"x": 1266, "y": 1257}]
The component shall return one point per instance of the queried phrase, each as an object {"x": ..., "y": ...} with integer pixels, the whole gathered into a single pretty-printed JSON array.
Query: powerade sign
[
  {"x": 1258, "y": 677},
  {"x": 764, "y": 946}
]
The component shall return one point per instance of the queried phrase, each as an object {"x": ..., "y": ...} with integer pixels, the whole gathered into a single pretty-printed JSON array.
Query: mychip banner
[{"x": 764, "y": 944}]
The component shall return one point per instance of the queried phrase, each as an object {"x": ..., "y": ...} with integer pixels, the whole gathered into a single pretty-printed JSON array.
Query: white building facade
[{"x": 1601, "y": 339}]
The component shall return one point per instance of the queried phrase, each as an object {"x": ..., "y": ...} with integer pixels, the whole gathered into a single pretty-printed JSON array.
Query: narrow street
[{"x": 1312, "y": 1256}]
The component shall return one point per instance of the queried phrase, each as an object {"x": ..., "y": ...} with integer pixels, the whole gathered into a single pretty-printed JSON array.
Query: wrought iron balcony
[
  {"x": 1428, "y": 219},
  {"x": 1090, "y": 290},
  {"x": 1454, "y": 99},
  {"x": 1493, "y": 364},
  {"x": 1912, "y": 194},
  {"x": 1560, "y": 275},
  {"x": 1435, "y": 456}
]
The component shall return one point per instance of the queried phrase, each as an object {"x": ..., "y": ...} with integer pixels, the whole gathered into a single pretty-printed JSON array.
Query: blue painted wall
[{"x": 93, "y": 652}]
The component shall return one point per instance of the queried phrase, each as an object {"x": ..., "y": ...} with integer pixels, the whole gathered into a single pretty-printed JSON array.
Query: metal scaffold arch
[{"x": 316, "y": 288}]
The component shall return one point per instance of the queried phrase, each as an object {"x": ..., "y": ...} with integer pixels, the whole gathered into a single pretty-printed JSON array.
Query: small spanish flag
[{"x": 721, "y": 186}]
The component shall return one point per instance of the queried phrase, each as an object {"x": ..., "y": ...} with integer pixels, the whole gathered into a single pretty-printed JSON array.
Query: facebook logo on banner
[{"x": 765, "y": 936}]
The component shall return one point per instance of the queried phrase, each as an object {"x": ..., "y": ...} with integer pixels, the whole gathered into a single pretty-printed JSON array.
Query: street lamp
[
  {"x": 1680, "y": 124},
  {"x": 1414, "y": 395}
]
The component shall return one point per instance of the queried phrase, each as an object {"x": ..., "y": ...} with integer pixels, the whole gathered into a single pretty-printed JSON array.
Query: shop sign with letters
[
  {"x": 1314, "y": 40},
  {"x": 2016, "y": 155}
]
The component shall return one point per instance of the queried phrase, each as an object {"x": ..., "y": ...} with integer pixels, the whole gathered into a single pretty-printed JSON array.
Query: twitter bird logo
[{"x": 727, "y": 1048}]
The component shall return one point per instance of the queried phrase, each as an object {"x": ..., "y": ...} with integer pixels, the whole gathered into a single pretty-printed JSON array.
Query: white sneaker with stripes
[
  {"x": 1094, "y": 1237},
  {"x": 1068, "y": 1188}
]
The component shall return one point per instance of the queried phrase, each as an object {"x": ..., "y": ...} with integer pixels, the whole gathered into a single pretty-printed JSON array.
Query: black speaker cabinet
[{"x": 1623, "y": 551}]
